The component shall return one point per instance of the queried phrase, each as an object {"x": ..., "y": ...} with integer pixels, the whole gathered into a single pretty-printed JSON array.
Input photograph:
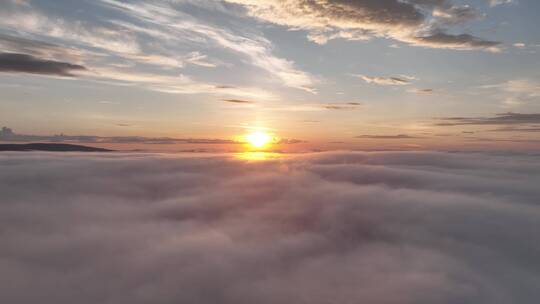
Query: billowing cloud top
[{"x": 383, "y": 227}]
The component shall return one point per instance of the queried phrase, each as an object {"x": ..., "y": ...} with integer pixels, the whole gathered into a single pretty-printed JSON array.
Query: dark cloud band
[
  {"x": 23, "y": 63},
  {"x": 499, "y": 119},
  {"x": 399, "y": 136}
]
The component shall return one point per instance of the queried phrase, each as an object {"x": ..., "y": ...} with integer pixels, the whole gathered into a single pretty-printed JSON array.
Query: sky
[{"x": 315, "y": 74}]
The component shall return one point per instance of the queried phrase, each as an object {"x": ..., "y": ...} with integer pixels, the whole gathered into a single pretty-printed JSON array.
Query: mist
[{"x": 337, "y": 227}]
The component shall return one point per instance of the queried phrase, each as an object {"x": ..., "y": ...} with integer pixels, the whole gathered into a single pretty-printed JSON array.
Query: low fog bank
[{"x": 347, "y": 227}]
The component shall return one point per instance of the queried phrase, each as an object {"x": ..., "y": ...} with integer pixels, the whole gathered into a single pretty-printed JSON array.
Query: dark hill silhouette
[{"x": 50, "y": 147}]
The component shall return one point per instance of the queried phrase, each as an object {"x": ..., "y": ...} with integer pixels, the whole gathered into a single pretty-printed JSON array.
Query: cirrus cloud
[
  {"x": 387, "y": 81},
  {"x": 417, "y": 22}
]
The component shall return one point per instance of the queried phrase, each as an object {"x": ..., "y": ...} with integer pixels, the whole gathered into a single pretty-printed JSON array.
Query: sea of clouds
[{"x": 340, "y": 227}]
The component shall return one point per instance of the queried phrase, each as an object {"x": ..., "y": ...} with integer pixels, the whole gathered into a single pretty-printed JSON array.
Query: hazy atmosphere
[{"x": 269, "y": 151}]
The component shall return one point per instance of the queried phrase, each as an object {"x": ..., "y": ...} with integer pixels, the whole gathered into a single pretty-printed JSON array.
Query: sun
[{"x": 258, "y": 139}]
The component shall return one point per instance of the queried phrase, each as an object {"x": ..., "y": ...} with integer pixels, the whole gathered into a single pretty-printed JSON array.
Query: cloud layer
[{"x": 387, "y": 227}]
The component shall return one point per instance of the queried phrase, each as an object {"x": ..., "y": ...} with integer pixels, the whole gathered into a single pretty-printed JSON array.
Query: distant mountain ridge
[{"x": 50, "y": 147}]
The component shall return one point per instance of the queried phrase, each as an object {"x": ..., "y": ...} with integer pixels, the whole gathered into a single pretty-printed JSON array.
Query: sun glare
[{"x": 258, "y": 140}]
